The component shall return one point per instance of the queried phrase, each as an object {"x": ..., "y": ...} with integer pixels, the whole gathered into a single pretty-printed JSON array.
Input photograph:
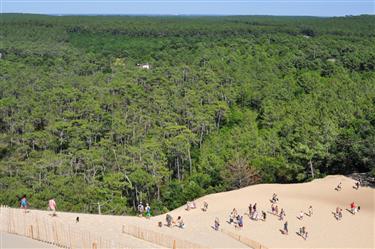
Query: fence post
[
  {"x": 94, "y": 245},
  {"x": 174, "y": 244}
]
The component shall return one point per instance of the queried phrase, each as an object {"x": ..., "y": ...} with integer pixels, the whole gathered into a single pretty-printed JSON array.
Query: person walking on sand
[
  {"x": 273, "y": 208},
  {"x": 310, "y": 211},
  {"x": 300, "y": 215},
  {"x": 286, "y": 228},
  {"x": 205, "y": 206},
  {"x": 338, "y": 213},
  {"x": 282, "y": 214},
  {"x": 52, "y": 206},
  {"x": 357, "y": 185},
  {"x": 353, "y": 208},
  {"x": 255, "y": 207},
  {"x": 217, "y": 224},
  {"x": 305, "y": 237},
  {"x": 339, "y": 187},
  {"x": 264, "y": 215},
  {"x": 302, "y": 232},
  {"x": 250, "y": 210},
  {"x": 274, "y": 198}
]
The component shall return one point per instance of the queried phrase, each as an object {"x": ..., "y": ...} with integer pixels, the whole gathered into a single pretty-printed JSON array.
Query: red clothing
[{"x": 352, "y": 205}]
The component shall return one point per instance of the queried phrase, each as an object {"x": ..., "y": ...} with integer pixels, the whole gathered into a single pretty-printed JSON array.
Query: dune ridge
[{"x": 353, "y": 231}]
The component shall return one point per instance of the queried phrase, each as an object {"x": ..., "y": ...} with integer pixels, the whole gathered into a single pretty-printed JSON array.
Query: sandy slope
[{"x": 353, "y": 231}]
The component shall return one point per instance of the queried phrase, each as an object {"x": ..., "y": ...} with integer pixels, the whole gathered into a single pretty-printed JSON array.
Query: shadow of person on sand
[
  {"x": 272, "y": 213},
  {"x": 350, "y": 211}
]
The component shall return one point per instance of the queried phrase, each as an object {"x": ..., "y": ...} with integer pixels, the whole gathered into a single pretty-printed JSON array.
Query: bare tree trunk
[
  {"x": 178, "y": 169},
  {"x": 190, "y": 164},
  {"x": 311, "y": 169}
]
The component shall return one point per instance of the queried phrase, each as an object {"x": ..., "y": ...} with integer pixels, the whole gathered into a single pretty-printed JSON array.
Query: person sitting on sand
[
  {"x": 190, "y": 205},
  {"x": 205, "y": 206},
  {"x": 169, "y": 220},
  {"x": 187, "y": 206},
  {"x": 310, "y": 211},
  {"x": 217, "y": 224},
  {"x": 300, "y": 215},
  {"x": 233, "y": 215},
  {"x": 286, "y": 228},
  {"x": 193, "y": 205},
  {"x": 180, "y": 222},
  {"x": 339, "y": 187},
  {"x": 239, "y": 222}
]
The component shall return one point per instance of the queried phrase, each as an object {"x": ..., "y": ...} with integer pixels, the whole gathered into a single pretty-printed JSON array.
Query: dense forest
[{"x": 227, "y": 102}]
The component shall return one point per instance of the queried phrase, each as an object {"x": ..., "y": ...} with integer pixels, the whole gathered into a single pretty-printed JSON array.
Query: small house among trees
[{"x": 144, "y": 66}]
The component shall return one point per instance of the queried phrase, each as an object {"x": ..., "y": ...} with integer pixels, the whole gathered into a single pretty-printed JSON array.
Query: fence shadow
[
  {"x": 158, "y": 238},
  {"x": 244, "y": 240}
]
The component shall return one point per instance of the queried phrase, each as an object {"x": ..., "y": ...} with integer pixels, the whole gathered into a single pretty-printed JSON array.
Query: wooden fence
[
  {"x": 158, "y": 238},
  {"x": 244, "y": 240},
  {"x": 50, "y": 231}
]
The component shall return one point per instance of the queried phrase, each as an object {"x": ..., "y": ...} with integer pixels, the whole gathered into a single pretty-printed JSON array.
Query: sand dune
[{"x": 353, "y": 231}]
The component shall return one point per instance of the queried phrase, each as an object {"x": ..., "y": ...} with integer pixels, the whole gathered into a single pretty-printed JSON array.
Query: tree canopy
[{"x": 227, "y": 102}]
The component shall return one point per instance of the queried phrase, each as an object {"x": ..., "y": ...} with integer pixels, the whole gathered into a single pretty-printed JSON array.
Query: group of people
[
  {"x": 236, "y": 219},
  {"x": 144, "y": 210},
  {"x": 253, "y": 212},
  {"x": 303, "y": 232},
  {"x": 190, "y": 205},
  {"x": 170, "y": 222},
  {"x": 25, "y": 204},
  {"x": 354, "y": 208}
]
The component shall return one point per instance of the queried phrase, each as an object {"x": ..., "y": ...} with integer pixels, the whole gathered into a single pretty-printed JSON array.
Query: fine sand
[
  {"x": 15, "y": 241},
  {"x": 324, "y": 231}
]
